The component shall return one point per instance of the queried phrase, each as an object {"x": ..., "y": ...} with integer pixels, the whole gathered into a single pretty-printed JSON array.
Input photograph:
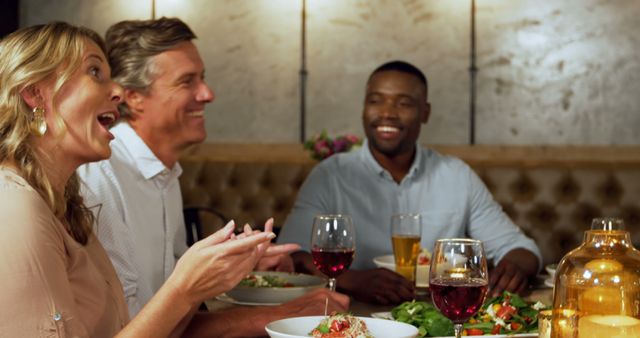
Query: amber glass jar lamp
[{"x": 597, "y": 286}]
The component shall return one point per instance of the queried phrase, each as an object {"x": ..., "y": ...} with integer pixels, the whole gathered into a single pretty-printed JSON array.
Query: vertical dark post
[
  {"x": 8, "y": 16},
  {"x": 303, "y": 72},
  {"x": 153, "y": 9},
  {"x": 472, "y": 72}
]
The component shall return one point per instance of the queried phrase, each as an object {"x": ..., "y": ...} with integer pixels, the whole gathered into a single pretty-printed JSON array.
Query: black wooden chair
[{"x": 193, "y": 221}]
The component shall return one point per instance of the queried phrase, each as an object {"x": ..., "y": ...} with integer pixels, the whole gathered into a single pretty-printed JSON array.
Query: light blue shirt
[{"x": 450, "y": 197}]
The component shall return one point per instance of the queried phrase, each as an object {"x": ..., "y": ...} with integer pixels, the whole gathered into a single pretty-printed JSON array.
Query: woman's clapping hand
[{"x": 217, "y": 263}]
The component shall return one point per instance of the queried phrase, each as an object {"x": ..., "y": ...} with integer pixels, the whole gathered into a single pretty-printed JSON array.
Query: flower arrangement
[{"x": 323, "y": 146}]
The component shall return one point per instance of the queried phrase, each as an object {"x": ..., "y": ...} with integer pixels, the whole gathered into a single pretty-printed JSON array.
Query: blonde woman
[{"x": 57, "y": 102}]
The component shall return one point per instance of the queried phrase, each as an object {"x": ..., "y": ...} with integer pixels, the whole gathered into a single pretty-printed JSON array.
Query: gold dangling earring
[{"x": 37, "y": 123}]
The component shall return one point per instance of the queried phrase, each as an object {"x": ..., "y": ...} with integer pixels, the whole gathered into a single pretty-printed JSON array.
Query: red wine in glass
[
  {"x": 332, "y": 262},
  {"x": 332, "y": 245},
  {"x": 458, "y": 299},
  {"x": 458, "y": 279}
]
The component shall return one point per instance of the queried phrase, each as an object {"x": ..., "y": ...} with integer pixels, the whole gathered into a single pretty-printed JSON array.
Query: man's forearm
[{"x": 230, "y": 323}]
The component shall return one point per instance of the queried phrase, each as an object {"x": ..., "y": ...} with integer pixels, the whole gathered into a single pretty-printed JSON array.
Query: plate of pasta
[{"x": 339, "y": 326}]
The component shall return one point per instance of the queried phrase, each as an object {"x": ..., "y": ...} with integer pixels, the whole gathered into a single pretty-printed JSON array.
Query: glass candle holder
[{"x": 597, "y": 285}]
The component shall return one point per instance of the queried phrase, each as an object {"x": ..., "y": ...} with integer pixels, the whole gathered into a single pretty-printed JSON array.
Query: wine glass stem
[
  {"x": 332, "y": 284},
  {"x": 457, "y": 328}
]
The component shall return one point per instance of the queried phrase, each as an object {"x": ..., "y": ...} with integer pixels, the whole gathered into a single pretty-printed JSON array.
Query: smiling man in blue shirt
[{"x": 392, "y": 174}]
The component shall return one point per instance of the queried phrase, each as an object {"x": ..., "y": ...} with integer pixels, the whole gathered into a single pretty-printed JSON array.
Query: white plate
[
  {"x": 300, "y": 327},
  {"x": 277, "y": 295},
  {"x": 551, "y": 269},
  {"x": 382, "y": 315},
  {"x": 386, "y": 261},
  {"x": 549, "y": 282},
  {"x": 387, "y": 315}
]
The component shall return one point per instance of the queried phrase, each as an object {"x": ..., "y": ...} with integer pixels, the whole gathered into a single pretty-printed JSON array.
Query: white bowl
[
  {"x": 274, "y": 295},
  {"x": 300, "y": 327}
]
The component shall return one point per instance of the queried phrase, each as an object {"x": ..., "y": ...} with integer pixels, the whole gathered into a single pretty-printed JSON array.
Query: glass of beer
[{"x": 406, "y": 230}]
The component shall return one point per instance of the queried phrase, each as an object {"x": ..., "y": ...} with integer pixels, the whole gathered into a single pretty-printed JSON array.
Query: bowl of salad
[
  {"x": 271, "y": 287},
  {"x": 339, "y": 326}
]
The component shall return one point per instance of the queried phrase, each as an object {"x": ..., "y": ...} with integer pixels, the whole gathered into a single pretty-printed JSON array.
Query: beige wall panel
[{"x": 551, "y": 72}]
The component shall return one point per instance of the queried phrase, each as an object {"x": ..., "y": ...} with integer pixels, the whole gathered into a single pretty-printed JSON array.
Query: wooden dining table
[{"x": 538, "y": 292}]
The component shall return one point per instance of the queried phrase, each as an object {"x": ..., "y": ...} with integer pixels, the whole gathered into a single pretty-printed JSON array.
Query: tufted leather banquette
[{"x": 552, "y": 193}]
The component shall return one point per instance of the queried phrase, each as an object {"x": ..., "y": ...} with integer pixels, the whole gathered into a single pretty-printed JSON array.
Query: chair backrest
[{"x": 200, "y": 221}]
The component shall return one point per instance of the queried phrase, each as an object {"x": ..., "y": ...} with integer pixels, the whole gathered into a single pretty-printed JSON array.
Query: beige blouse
[{"x": 50, "y": 285}]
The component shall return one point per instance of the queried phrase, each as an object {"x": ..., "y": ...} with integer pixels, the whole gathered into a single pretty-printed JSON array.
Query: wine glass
[
  {"x": 333, "y": 245},
  {"x": 458, "y": 279}
]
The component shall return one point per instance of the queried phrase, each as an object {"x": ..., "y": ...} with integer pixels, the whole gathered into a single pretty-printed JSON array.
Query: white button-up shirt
[{"x": 138, "y": 207}]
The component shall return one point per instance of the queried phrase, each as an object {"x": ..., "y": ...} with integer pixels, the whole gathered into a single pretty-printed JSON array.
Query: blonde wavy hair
[{"x": 27, "y": 57}]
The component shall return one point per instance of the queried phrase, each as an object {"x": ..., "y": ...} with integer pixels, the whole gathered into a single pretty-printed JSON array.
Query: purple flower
[
  {"x": 353, "y": 139},
  {"x": 322, "y": 149},
  {"x": 340, "y": 145},
  {"x": 322, "y": 146}
]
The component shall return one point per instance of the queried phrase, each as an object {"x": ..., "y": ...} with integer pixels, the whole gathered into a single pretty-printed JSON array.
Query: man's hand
[
  {"x": 507, "y": 276},
  {"x": 276, "y": 257},
  {"x": 376, "y": 286},
  {"x": 513, "y": 272},
  {"x": 373, "y": 286}
]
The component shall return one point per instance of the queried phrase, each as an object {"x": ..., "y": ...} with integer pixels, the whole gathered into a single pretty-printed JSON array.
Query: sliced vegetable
[{"x": 474, "y": 332}]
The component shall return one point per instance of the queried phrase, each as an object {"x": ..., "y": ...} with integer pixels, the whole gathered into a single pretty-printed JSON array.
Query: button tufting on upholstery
[
  {"x": 584, "y": 213},
  {"x": 609, "y": 191},
  {"x": 543, "y": 216},
  {"x": 523, "y": 189},
  {"x": 566, "y": 190}
]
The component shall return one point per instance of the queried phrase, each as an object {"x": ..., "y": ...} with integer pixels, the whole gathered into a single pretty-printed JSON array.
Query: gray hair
[{"x": 132, "y": 44}]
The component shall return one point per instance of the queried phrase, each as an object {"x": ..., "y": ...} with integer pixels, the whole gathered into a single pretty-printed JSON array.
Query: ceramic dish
[
  {"x": 550, "y": 282},
  {"x": 276, "y": 295},
  {"x": 386, "y": 261},
  {"x": 300, "y": 327},
  {"x": 422, "y": 270},
  {"x": 551, "y": 269}
]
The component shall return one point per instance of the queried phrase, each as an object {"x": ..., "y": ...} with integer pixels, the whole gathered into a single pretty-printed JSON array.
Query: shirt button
[{"x": 57, "y": 317}]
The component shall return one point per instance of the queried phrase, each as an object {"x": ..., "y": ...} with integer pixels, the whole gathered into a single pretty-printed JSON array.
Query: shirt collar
[
  {"x": 144, "y": 159},
  {"x": 371, "y": 161}
]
